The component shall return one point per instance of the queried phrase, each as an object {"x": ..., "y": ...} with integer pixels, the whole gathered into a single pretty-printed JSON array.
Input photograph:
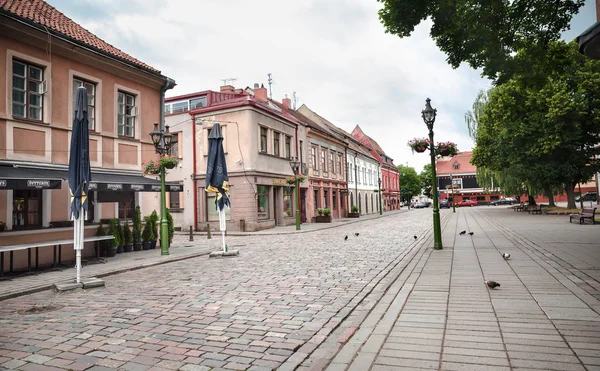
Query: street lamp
[
  {"x": 452, "y": 183},
  {"x": 428, "y": 115},
  {"x": 295, "y": 165},
  {"x": 380, "y": 206},
  {"x": 162, "y": 141}
]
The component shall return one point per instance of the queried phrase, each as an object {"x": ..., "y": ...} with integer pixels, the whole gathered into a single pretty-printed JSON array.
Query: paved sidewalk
[{"x": 441, "y": 316}]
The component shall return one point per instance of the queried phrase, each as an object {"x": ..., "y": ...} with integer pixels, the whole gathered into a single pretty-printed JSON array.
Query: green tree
[
  {"x": 541, "y": 129},
  {"x": 485, "y": 34},
  {"x": 425, "y": 179},
  {"x": 409, "y": 181}
]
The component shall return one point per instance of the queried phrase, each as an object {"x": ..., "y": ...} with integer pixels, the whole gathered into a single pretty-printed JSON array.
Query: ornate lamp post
[
  {"x": 162, "y": 140},
  {"x": 295, "y": 165},
  {"x": 428, "y": 115}
]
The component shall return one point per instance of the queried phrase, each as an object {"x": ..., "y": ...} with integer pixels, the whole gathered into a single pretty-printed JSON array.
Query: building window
[
  {"x": 276, "y": 144},
  {"x": 349, "y": 170},
  {"x": 288, "y": 193},
  {"x": 27, "y": 209},
  {"x": 313, "y": 157},
  {"x": 180, "y": 107},
  {"x": 263, "y": 140},
  {"x": 167, "y": 109},
  {"x": 262, "y": 202},
  {"x": 481, "y": 198},
  {"x": 91, "y": 99},
  {"x": 365, "y": 175},
  {"x": 126, "y": 206},
  {"x": 27, "y": 93},
  {"x": 333, "y": 202},
  {"x": 325, "y": 199},
  {"x": 331, "y": 165},
  {"x": 174, "y": 150},
  {"x": 126, "y": 114},
  {"x": 174, "y": 200},
  {"x": 323, "y": 164},
  {"x": 197, "y": 103},
  {"x": 288, "y": 147},
  {"x": 456, "y": 166},
  {"x": 316, "y": 198},
  {"x": 300, "y": 150},
  {"x": 357, "y": 170},
  {"x": 339, "y": 165},
  {"x": 212, "y": 215}
]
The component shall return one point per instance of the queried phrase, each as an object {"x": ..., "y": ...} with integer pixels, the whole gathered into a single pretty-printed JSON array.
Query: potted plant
[
  {"x": 100, "y": 245},
  {"x": 119, "y": 231},
  {"x": 112, "y": 229},
  {"x": 354, "y": 213},
  {"x": 154, "y": 223},
  {"x": 137, "y": 229},
  {"x": 171, "y": 226},
  {"x": 151, "y": 167},
  {"x": 419, "y": 144},
  {"x": 147, "y": 235},
  {"x": 324, "y": 216},
  {"x": 128, "y": 237},
  {"x": 168, "y": 162},
  {"x": 446, "y": 149}
]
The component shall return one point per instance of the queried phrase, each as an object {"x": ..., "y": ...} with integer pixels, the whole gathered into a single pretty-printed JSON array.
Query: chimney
[
  {"x": 261, "y": 93},
  {"x": 255, "y": 85},
  {"x": 287, "y": 102},
  {"x": 227, "y": 89}
]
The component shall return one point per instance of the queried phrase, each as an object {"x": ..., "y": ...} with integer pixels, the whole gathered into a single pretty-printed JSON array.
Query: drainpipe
[
  {"x": 300, "y": 171},
  {"x": 356, "y": 179},
  {"x": 347, "y": 189},
  {"x": 194, "y": 173}
]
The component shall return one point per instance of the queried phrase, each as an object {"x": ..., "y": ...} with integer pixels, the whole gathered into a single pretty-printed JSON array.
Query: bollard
[
  {"x": 191, "y": 233},
  {"x": 208, "y": 236}
]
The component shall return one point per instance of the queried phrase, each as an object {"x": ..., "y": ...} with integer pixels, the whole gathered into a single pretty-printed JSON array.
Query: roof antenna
[{"x": 270, "y": 80}]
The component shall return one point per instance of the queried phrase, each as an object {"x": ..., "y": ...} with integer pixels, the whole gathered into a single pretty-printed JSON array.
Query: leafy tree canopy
[
  {"x": 410, "y": 181},
  {"x": 483, "y": 33}
]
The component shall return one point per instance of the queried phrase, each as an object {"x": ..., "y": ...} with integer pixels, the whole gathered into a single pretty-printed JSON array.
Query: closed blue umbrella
[
  {"x": 80, "y": 173},
  {"x": 217, "y": 180}
]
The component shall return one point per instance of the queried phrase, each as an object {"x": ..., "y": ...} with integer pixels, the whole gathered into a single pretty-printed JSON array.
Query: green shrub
[
  {"x": 127, "y": 234},
  {"x": 137, "y": 225},
  {"x": 113, "y": 230},
  {"x": 147, "y": 234},
  {"x": 327, "y": 211},
  {"x": 354, "y": 209},
  {"x": 171, "y": 226},
  {"x": 154, "y": 223}
]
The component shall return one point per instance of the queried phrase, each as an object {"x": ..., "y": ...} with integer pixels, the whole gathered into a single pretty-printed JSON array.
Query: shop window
[
  {"x": 262, "y": 202},
  {"x": 212, "y": 215},
  {"x": 480, "y": 198},
  {"x": 174, "y": 200},
  {"x": 27, "y": 209},
  {"x": 288, "y": 196},
  {"x": 492, "y": 198},
  {"x": 126, "y": 208}
]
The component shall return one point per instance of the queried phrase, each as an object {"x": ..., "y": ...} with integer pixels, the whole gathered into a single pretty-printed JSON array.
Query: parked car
[
  {"x": 445, "y": 204},
  {"x": 420, "y": 205},
  {"x": 467, "y": 203},
  {"x": 589, "y": 196},
  {"x": 504, "y": 201}
]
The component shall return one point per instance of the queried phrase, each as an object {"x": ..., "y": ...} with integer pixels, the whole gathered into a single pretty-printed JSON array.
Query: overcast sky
[{"x": 333, "y": 53}]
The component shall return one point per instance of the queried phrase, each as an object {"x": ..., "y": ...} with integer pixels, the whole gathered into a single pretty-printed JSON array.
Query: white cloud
[{"x": 334, "y": 54}]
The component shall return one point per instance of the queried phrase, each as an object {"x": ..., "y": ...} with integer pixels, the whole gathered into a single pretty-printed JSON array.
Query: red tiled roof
[
  {"x": 463, "y": 159},
  {"x": 44, "y": 14}
]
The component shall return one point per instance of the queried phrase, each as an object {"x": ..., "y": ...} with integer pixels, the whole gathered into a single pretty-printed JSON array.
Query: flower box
[
  {"x": 353, "y": 215},
  {"x": 323, "y": 219}
]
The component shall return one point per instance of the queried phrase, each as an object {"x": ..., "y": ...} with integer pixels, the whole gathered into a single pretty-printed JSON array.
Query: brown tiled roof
[
  {"x": 44, "y": 14},
  {"x": 463, "y": 159}
]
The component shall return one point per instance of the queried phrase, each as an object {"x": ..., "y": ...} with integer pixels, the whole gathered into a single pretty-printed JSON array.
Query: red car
[{"x": 467, "y": 203}]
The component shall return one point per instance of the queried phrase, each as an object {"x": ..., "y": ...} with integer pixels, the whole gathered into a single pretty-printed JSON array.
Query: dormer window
[{"x": 456, "y": 166}]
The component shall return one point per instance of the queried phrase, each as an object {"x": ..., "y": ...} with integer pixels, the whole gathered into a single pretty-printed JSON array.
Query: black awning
[
  {"x": 136, "y": 183},
  {"x": 31, "y": 178},
  {"x": 37, "y": 178},
  {"x": 589, "y": 41}
]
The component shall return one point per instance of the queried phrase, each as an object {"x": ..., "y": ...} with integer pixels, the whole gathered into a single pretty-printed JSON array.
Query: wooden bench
[
  {"x": 37, "y": 245},
  {"x": 583, "y": 215},
  {"x": 519, "y": 207},
  {"x": 535, "y": 209}
]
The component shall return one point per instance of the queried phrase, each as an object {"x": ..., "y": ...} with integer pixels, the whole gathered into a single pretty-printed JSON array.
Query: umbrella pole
[{"x": 222, "y": 227}]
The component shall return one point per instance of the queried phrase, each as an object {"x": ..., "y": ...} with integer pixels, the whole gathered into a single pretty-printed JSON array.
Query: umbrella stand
[{"x": 222, "y": 227}]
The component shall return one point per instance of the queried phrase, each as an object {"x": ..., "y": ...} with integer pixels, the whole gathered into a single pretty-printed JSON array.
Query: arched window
[
  {"x": 359, "y": 203},
  {"x": 372, "y": 207},
  {"x": 366, "y": 204},
  {"x": 351, "y": 200}
]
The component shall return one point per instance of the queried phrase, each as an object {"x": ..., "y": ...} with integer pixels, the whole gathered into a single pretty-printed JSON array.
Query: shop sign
[{"x": 278, "y": 181}]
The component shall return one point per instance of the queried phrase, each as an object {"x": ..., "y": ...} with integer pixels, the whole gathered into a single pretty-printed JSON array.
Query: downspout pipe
[
  {"x": 356, "y": 179},
  {"x": 299, "y": 170},
  {"x": 347, "y": 173},
  {"x": 193, "y": 177}
]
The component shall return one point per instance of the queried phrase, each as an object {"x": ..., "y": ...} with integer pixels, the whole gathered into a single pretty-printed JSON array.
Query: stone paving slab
[{"x": 544, "y": 316}]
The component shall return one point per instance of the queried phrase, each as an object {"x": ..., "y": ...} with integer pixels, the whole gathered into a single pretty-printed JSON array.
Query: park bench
[
  {"x": 535, "y": 209},
  {"x": 583, "y": 215},
  {"x": 37, "y": 245},
  {"x": 519, "y": 207}
]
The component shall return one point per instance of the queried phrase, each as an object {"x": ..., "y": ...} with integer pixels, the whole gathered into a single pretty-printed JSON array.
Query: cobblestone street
[
  {"x": 284, "y": 294},
  {"x": 313, "y": 301}
]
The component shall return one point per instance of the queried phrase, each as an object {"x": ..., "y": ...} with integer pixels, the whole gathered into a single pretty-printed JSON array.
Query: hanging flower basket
[
  {"x": 151, "y": 167},
  {"x": 168, "y": 162},
  {"x": 446, "y": 149},
  {"x": 295, "y": 179},
  {"x": 419, "y": 145}
]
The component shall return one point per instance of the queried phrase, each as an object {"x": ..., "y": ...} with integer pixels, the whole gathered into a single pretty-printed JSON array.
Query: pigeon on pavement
[
  {"x": 345, "y": 238},
  {"x": 506, "y": 256},
  {"x": 463, "y": 232},
  {"x": 415, "y": 237},
  {"x": 471, "y": 233},
  {"x": 356, "y": 234},
  {"x": 492, "y": 284}
]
